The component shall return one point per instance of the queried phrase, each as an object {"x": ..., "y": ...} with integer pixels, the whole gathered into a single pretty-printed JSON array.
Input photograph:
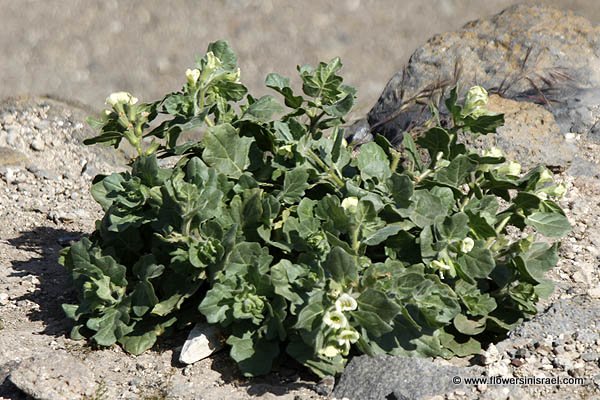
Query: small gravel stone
[
  {"x": 590, "y": 356},
  {"x": 3, "y": 299},
  {"x": 37, "y": 145}
]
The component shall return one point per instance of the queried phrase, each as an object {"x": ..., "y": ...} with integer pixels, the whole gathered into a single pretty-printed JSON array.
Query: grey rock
[
  {"x": 202, "y": 341},
  {"x": 55, "y": 375},
  {"x": 532, "y": 54},
  {"x": 581, "y": 167},
  {"x": 42, "y": 173},
  {"x": 590, "y": 356},
  {"x": 403, "y": 377},
  {"x": 325, "y": 386}
]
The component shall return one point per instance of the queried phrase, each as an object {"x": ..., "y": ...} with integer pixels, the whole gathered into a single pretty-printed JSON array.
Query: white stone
[
  {"x": 3, "y": 299},
  {"x": 594, "y": 292},
  {"x": 202, "y": 341}
]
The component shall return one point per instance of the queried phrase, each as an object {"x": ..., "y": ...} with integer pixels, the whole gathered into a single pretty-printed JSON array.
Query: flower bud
[
  {"x": 558, "y": 191},
  {"x": 545, "y": 177},
  {"x": 466, "y": 245},
  {"x": 542, "y": 195},
  {"x": 286, "y": 151},
  {"x": 350, "y": 204},
  {"x": 493, "y": 152},
  {"x": 440, "y": 265},
  {"x": 329, "y": 351},
  {"x": 121, "y": 98},
  {"x": 512, "y": 168},
  {"x": 475, "y": 102},
  {"x": 192, "y": 76}
]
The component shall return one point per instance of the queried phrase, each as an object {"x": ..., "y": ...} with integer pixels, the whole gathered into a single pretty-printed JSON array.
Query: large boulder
[{"x": 530, "y": 54}]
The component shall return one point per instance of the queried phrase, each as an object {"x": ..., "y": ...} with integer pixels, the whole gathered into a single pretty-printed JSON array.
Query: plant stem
[
  {"x": 338, "y": 181},
  {"x": 395, "y": 161}
]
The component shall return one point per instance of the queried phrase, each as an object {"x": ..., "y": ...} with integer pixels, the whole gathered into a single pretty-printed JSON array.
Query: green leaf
[
  {"x": 484, "y": 124},
  {"x": 456, "y": 172},
  {"x": 380, "y": 235},
  {"x": 311, "y": 313},
  {"x": 283, "y": 275},
  {"x": 143, "y": 298},
  {"x": 455, "y": 227},
  {"x": 226, "y": 151},
  {"x": 294, "y": 184},
  {"x": 549, "y": 223},
  {"x": 401, "y": 189},
  {"x": 262, "y": 110},
  {"x": 435, "y": 140},
  {"x": 341, "y": 266},
  {"x": 425, "y": 208},
  {"x": 478, "y": 263},
  {"x": 377, "y": 302},
  {"x": 468, "y": 326},
  {"x": 373, "y": 162},
  {"x": 536, "y": 261},
  {"x": 138, "y": 344},
  {"x": 282, "y": 86},
  {"x": 254, "y": 356},
  {"x": 224, "y": 53}
]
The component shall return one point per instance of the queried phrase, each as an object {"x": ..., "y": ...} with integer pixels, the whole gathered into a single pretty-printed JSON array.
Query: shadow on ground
[{"x": 53, "y": 288}]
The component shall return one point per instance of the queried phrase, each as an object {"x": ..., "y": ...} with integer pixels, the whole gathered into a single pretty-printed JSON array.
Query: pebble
[
  {"x": 594, "y": 292},
  {"x": 3, "y": 299},
  {"x": 325, "y": 386},
  {"x": 202, "y": 341},
  {"x": 37, "y": 145},
  {"x": 41, "y": 173},
  {"x": 590, "y": 356}
]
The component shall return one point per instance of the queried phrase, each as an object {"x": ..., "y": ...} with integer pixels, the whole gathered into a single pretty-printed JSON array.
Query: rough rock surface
[
  {"x": 527, "y": 53},
  {"x": 381, "y": 377},
  {"x": 54, "y": 376}
]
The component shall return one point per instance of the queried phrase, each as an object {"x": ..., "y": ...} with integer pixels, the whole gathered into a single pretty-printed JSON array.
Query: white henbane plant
[{"x": 269, "y": 227}]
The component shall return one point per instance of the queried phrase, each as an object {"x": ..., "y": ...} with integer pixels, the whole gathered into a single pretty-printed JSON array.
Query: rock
[
  {"x": 11, "y": 157},
  {"x": 37, "y": 145},
  {"x": 202, "y": 341},
  {"x": 530, "y": 134},
  {"x": 594, "y": 292},
  {"x": 383, "y": 377},
  {"x": 41, "y": 173},
  {"x": 530, "y": 54},
  {"x": 325, "y": 386},
  {"x": 590, "y": 356},
  {"x": 55, "y": 375},
  {"x": 3, "y": 299}
]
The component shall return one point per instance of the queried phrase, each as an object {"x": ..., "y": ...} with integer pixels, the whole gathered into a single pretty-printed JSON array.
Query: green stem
[
  {"x": 424, "y": 175},
  {"x": 395, "y": 161},
  {"x": 355, "y": 241},
  {"x": 314, "y": 121},
  {"x": 490, "y": 242},
  {"x": 338, "y": 181}
]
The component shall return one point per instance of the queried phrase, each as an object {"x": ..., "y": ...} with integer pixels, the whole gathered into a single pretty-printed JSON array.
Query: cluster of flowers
[{"x": 339, "y": 334}]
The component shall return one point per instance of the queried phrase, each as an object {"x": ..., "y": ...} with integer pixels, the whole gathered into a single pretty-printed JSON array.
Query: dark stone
[
  {"x": 531, "y": 54},
  {"x": 384, "y": 377}
]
